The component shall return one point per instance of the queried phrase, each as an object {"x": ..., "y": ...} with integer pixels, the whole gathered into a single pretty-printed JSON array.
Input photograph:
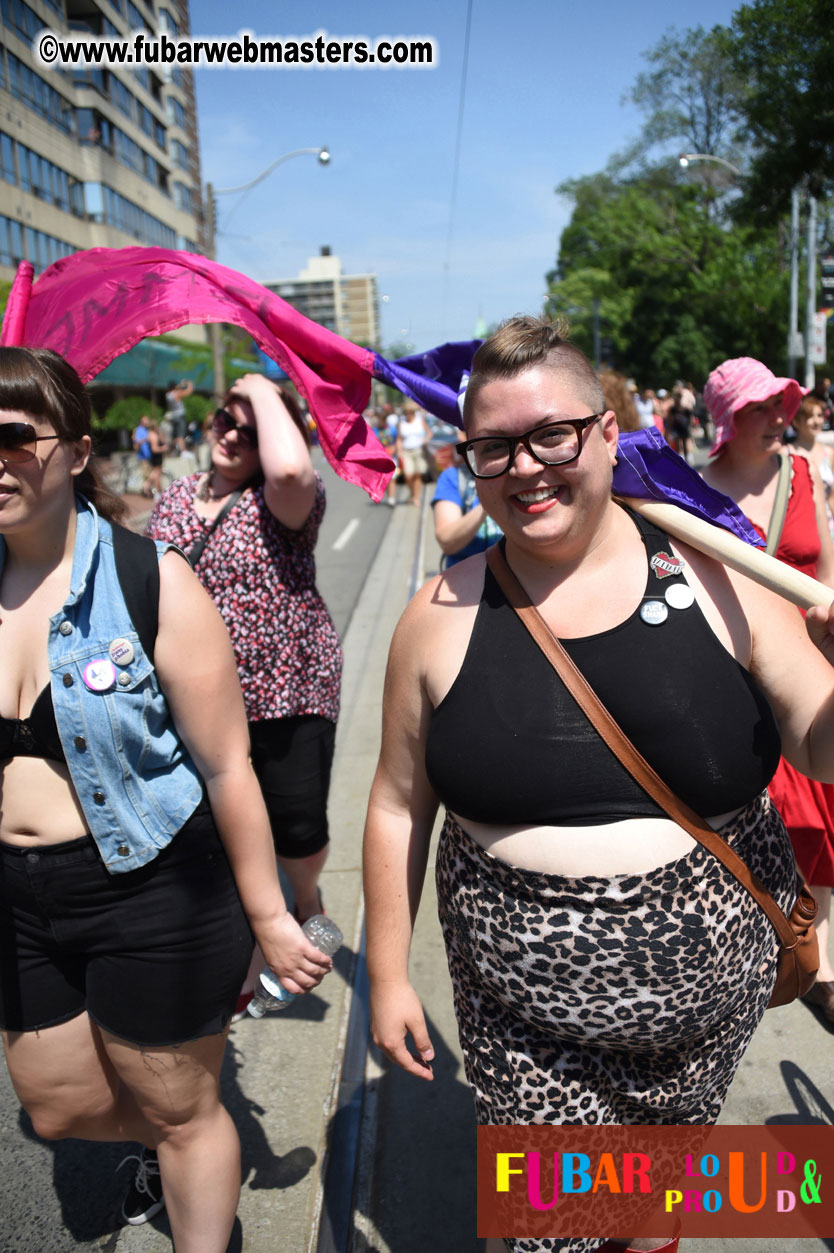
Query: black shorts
[
  {"x": 156, "y": 956},
  {"x": 292, "y": 758},
  {"x": 156, "y": 459}
]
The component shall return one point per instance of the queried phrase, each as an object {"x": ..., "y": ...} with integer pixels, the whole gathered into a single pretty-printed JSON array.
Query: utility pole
[
  {"x": 811, "y": 306},
  {"x": 793, "y": 316},
  {"x": 215, "y": 328},
  {"x": 597, "y": 341}
]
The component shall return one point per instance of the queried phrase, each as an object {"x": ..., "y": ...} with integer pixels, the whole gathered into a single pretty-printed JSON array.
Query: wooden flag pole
[{"x": 727, "y": 548}]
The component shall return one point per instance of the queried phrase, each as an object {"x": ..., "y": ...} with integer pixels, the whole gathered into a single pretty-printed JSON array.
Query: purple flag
[
  {"x": 649, "y": 469},
  {"x": 433, "y": 379}
]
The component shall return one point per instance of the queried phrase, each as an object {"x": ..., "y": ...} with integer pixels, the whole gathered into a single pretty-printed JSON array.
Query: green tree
[
  {"x": 5, "y": 289},
  {"x": 680, "y": 284},
  {"x": 678, "y": 291},
  {"x": 198, "y": 408},
  {"x": 124, "y": 414},
  {"x": 691, "y": 94},
  {"x": 783, "y": 49}
]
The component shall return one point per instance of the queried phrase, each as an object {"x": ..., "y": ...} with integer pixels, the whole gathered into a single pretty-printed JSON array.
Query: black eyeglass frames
[{"x": 553, "y": 444}]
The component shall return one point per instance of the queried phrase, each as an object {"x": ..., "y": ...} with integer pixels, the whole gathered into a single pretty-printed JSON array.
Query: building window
[
  {"x": 38, "y": 95},
  {"x": 180, "y": 154},
  {"x": 20, "y": 18},
  {"x": 108, "y": 206},
  {"x": 90, "y": 76},
  {"x": 11, "y": 242},
  {"x": 177, "y": 114},
  {"x": 134, "y": 18},
  {"x": 183, "y": 198},
  {"x": 168, "y": 23},
  {"x": 122, "y": 98},
  {"x": 42, "y": 249},
  {"x": 7, "y": 166}
]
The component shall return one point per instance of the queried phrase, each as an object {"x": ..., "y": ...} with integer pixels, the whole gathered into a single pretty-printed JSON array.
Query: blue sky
[{"x": 544, "y": 102}]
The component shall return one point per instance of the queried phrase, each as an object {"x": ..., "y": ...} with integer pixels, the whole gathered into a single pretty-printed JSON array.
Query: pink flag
[{"x": 91, "y": 306}]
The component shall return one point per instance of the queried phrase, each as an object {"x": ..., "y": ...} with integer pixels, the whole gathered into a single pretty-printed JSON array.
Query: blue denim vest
[{"x": 133, "y": 776}]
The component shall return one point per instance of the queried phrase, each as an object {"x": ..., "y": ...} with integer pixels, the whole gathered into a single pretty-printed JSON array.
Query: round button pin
[
  {"x": 679, "y": 596},
  {"x": 121, "y": 652},
  {"x": 100, "y": 674},
  {"x": 654, "y": 612}
]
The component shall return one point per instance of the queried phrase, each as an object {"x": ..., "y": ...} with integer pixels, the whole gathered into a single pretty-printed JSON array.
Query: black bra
[
  {"x": 509, "y": 746},
  {"x": 35, "y": 736}
]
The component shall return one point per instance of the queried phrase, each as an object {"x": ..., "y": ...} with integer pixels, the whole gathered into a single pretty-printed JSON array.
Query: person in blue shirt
[
  {"x": 142, "y": 448},
  {"x": 140, "y": 439},
  {"x": 136, "y": 857},
  {"x": 461, "y": 527}
]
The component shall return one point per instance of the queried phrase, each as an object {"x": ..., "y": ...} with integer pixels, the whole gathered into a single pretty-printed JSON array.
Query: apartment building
[
  {"x": 94, "y": 157},
  {"x": 345, "y": 303}
]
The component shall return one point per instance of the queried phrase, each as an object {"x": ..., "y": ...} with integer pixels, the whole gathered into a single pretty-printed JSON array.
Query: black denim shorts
[
  {"x": 156, "y": 956},
  {"x": 292, "y": 758}
]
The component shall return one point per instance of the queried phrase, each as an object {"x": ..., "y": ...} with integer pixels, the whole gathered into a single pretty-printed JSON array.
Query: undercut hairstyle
[
  {"x": 38, "y": 382},
  {"x": 524, "y": 342}
]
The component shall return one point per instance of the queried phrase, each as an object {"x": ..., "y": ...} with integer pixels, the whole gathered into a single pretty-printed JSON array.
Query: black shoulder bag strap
[
  {"x": 195, "y": 552},
  {"x": 137, "y": 568}
]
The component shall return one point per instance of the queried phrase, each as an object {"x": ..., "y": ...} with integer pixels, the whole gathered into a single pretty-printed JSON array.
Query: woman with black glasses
[
  {"x": 249, "y": 527},
  {"x": 606, "y": 967},
  {"x": 135, "y": 849}
]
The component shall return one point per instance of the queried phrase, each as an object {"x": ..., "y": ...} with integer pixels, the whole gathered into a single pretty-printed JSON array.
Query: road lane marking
[{"x": 346, "y": 536}]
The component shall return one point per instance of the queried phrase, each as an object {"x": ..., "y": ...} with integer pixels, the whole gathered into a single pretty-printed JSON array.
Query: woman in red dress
[{"x": 751, "y": 409}]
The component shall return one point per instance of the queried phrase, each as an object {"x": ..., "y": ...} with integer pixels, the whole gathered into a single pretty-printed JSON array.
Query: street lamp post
[
  {"x": 215, "y": 334},
  {"x": 686, "y": 157}
]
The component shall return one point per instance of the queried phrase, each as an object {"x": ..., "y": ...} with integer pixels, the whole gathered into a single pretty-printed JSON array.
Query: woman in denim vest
[{"x": 135, "y": 853}]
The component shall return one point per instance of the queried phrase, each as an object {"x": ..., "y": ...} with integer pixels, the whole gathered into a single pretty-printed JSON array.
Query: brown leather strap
[{"x": 622, "y": 747}]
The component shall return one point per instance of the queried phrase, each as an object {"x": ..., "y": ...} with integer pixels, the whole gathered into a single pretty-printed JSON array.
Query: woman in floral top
[{"x": 258, "y": 566}]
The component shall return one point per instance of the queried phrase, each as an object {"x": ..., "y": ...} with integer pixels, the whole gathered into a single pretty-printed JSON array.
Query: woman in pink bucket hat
[{"x": 751, "y": 408}]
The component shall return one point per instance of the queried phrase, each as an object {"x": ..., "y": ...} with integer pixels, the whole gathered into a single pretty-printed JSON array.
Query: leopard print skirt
[{"x": 628, "y": 999}]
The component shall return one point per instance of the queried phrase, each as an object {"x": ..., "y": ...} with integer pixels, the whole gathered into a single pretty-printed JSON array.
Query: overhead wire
[{"x": 455, "y": 170}]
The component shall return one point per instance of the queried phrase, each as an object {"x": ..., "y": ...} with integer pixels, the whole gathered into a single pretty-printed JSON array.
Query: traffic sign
[{"x": 818, "y": 349}]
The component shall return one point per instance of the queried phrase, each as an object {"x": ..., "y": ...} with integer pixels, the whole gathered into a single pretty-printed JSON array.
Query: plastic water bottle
[{"x": 270, "y": 992}]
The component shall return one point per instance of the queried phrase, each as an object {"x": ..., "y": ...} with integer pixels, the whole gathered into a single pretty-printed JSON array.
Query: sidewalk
[{"x": 281, "y": 1073}]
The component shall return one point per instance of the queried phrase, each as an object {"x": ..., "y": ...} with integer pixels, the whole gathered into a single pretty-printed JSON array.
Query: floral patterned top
[{"x": 262, "y": 578}]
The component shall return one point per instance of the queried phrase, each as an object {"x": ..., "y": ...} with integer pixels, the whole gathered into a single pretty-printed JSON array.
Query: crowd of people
[{"x": 173, "y": 782}]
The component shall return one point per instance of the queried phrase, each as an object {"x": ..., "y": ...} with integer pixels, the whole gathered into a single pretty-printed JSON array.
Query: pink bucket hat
[{"x": 743, "y": 381}]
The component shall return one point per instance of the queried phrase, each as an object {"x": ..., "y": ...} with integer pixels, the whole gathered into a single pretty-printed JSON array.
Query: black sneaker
[{"x": 144, "y": 1196}]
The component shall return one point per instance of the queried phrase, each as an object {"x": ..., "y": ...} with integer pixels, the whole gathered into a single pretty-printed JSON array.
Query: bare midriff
[
  {"x": 39, "y": 805},
  {"x": 630, "y": 846}
]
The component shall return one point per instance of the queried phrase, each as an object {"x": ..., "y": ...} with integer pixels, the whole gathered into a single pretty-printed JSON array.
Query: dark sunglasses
[
  {"x": 17, "y": 441},
  {"x": 247, "y": 436}
]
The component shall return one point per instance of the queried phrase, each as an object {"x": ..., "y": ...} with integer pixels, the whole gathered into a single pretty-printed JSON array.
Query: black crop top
[
  {"x": 35, "y": 736},
  {"x": 509, "y": 746}
]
